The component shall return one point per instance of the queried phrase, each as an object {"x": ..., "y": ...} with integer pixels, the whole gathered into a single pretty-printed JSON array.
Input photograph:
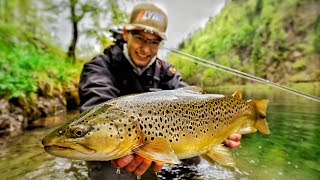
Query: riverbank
[
  {"x": 36, "y": 79},
  {"x": 20, "y": 113}
]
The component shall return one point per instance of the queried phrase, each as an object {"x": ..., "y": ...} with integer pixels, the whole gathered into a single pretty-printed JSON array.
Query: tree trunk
[{"x": 72, "y": 47}]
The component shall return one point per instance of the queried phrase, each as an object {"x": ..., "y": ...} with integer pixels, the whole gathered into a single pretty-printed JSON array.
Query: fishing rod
[
  {"x": 220, "y": 67},
  {"x": 118, "y": 38}
]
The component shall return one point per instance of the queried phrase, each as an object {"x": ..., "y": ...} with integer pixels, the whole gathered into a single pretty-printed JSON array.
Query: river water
[{"x": 291, "y": 151}]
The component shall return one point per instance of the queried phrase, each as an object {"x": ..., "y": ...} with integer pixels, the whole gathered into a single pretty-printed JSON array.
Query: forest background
[{"x": 274, "y": 40}]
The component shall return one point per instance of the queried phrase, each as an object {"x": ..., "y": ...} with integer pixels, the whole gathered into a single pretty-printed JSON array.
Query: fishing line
[{"x": 235, "y": 72}]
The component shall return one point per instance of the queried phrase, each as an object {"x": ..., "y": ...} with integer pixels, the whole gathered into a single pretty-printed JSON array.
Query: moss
[{"x": 300, "y": 64}]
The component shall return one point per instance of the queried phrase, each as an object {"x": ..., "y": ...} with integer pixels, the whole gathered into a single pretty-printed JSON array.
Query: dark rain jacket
[{"x": 110, "y": 75}]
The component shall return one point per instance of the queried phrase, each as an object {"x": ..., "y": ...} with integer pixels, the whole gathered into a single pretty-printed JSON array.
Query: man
[{"x": 132, "y": 67}]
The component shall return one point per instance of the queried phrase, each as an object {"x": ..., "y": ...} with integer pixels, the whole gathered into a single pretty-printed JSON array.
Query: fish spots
[
  {"x": 61, "y": 132},
  {"x": 177, "y": 118}
]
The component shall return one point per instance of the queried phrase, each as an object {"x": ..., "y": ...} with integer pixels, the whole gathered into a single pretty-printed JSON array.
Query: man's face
[{"x": 142, "y": 46}]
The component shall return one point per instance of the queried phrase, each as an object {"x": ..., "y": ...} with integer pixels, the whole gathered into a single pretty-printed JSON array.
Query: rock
[
  {"x": 11, "y": 124},
  {"x": 43, "y": 108}
]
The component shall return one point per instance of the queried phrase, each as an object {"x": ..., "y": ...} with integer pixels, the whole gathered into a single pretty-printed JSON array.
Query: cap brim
[{"x": 144, "y": 27}]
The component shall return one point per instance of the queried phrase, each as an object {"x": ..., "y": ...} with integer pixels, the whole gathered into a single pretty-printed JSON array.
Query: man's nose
[{"x": 146, "y": 47}]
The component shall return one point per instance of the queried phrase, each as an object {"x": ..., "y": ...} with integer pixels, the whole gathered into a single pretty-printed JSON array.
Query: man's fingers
[
  {"x": 142, "y": 167},
  {"x": 122, "y": 162},
  {"x": 157, "y": 166},
  {"x": 134, "y": 164},
  {"x": 235, "y": 137},
  {"x": 233, "y": 141},
  {"x": 233, "y": 144}
]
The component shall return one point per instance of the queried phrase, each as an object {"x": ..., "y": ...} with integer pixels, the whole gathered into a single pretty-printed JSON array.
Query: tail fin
[{"x": 261, "y": 107}]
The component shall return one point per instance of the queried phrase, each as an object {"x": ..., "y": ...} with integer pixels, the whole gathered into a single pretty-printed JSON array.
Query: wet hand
[
  {"x": 136, "y": 164},
  {"x": 233, "y": 141}
]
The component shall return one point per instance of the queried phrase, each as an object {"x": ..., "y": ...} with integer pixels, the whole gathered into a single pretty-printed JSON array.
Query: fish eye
[{"x": 78, "y": 131}]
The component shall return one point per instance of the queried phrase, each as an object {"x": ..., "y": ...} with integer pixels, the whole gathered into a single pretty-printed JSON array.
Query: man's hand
[
  {"x": 233, "y": 141},
  {"x": 136, "y": 164}
]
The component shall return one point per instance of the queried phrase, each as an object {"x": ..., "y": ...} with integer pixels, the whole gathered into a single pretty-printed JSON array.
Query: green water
[{"x": 291, "y": 151}]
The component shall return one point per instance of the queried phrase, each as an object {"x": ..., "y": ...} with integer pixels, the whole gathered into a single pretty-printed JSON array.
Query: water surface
[{"x": 291, "y": 151}]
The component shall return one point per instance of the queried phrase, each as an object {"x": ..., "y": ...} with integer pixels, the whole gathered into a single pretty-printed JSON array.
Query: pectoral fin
[
  {"x": 158, "y": 150},
  {"x": 221, "y": 155},
  {"x": 247, "y": 128}
]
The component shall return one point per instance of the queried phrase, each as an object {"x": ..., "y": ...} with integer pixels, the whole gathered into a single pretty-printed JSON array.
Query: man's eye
[
  {"x": 140, "y": 38},
  {"x": 155, "y": 42}
]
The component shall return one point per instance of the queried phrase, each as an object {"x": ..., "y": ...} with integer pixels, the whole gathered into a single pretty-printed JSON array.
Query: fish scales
[
  {"x": 163, "y": 126},
  {"x": 181, "y": 120}
]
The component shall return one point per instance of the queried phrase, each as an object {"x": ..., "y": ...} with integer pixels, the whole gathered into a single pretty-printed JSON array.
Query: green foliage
[
  {"x": 24, "y": 64},
  {"x": 316, "y": 41},
  {"x": 257, "y": 57},
  {"x": 189, "y": 69},
  {"x": 300, "y": 64},
  {"x": 258, "y": 37}
]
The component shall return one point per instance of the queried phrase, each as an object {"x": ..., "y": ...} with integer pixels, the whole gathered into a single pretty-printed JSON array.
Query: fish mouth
[{"x": 60, "y": 150}]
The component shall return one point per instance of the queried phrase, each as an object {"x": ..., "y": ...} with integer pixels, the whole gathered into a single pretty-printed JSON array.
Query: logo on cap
[{"x": 149, "y": 15}]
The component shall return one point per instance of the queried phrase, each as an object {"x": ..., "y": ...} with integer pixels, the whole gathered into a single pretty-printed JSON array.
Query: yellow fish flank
[{"x": 162, "y": 126}]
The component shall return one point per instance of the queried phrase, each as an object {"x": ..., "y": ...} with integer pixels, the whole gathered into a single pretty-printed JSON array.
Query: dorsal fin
[
  {"x": 193, "y": 89},
  {"x": 237, "y": 95}
]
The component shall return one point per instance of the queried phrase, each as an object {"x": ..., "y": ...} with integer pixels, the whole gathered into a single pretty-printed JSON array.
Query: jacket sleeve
[
  {"x": 172, "y": 77},
  {"x": 97, "y": 84},
  {"x": 177, "y": 82}
]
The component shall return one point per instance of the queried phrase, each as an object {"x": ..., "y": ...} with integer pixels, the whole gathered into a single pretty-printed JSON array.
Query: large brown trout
[{"x": 162, "y": 126}]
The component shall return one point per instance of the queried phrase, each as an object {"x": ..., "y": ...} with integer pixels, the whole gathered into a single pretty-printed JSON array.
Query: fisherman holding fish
[{"x": 129, "y": 68}]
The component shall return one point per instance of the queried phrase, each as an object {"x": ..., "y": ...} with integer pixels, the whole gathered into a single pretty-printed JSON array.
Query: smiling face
[{"x": 142, "y": 46}]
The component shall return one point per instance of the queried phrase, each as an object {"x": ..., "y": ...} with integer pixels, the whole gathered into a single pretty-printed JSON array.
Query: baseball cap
[{"x": 150, "y": 18}]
